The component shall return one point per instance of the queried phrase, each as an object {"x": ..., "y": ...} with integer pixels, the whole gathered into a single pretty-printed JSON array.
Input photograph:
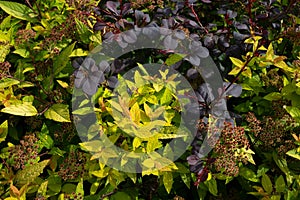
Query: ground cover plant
[{"x": 46, "y": 66}]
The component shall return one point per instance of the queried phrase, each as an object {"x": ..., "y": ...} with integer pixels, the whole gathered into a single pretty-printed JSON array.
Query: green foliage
[{"x": 42, "y": 156}]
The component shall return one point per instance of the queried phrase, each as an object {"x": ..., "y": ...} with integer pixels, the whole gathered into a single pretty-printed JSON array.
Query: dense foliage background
[{"x": 255, "y": 45}]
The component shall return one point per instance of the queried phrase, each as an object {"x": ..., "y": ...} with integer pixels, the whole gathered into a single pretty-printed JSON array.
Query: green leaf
[
  {"x": 68, "y": 188},
  {"x": 44, "y": 138},
  {"x": 6, "y": 82},
  {"x": 54, "y": 183},
  {"x": 83, "y": 32},
  {"x": 62, "y": 60},
  {"x": 248, "y": 174},
  {"x": 266, "y": 183},
  {"x": 22, "y": 52},
  {"x": 79, "y": 188},
  {"x": 18, "y": 10},
  {"x": 3, "y": 131},
  {"x": 28, "y": 174},
  {"x": 280, "y": 184},
  {"x": 275, "y": 197},
  {"x": 24, "y": 109},
  {"x": 167, "y": 97},
  {"x": 94, "y": 188},
  {"x": 273, "y": 96},
  {"x": 43, "y": 188},
  {"x": 5, "y": 23},
  {"x": 174, "y": 58},
  {"x": 293, "y": 111},
  {"x": 292, "y": 195},
  {"x": 186, "y": 178},
  {"x": 120, "y": 196},
  {"x": 58, "y": 112},
  {"x": 212, "y": 186},
  {"x": 83, "y": 111},
  {"x": 168, "y": 181},
  {"x": 4, "y": 51},
  {"x": 294, "y": 153}
]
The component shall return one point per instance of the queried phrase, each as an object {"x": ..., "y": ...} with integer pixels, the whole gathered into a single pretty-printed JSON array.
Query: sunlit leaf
[
  {"x": 3, "y": 130},
  {"x": 28, "y": 174},
  {"x": 237, "y": 62},
  {"x": 168, "y": 181},
  {"x": 24, "y": 109},
  {"x": 18, "y": 10},
  {"x": 58, "y": 112}
]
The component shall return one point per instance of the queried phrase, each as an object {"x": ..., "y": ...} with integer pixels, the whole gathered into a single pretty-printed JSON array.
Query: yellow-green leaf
[
  {"x": 138, "y": 79},
  {"x": 6, "y": 82},
  {"x": 43, "y": 188},
  {"x": 247, "y": 72},
  {"x": 273, "y": 96},
  {"x": 3, "y": 131},
  {"x": 63, "y": 84},
  {"x": 58, "y": 112},
  {"x": 25, "y": 109},
  {"x": 135, "y": 113},
  {"x": 79, "y": 52},
  {"x": 294, "y": 153},
  {"x": 168, "y": 181},
  {"x": 235, "y": 71},
  {"x": 280, "y": 184},
  {"x": 136, "y": 143},
  {"x": 270, "y": 52},
  {"x": 153, "y": 143},
  {"x": 174, "y": 58},
  {"x": 284, "y": 66},
  {"x": 266, "y": 183},
  {"x": 62, "y": 60},
  {"x": 17, "y": 10},
  {"x": 28, "y": 174},
  {"x": 237, "y": 62}
]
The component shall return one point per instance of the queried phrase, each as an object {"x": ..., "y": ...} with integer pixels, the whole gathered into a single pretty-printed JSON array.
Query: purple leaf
[
  {"x": 112, "y": 6},
  {"x": 170, "y": 43},
  {"x": 129, "y": 36}
]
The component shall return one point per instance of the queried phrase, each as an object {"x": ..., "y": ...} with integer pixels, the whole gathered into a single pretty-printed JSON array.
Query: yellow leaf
[
  {"x": 249, "y": 41},
  {"x": 153, "y": 143},
  {"x": 284, "y": 66},
  {"x": 247, "y": 72},
  {"x": 168, "y": 181},
  {"x": 136, "y": 143},
  {"x": 148, "y": 163},
  {"x": 235, "y": 71},
  {"x": 135, "y": 113},
  {"x": 237, "y": 62},
  {"x": 270, "y": 53},
  {"x": 262, "y": 48},
  {"x": 62, "y": 83}
]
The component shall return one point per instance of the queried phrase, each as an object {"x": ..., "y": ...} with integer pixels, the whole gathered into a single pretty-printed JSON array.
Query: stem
[
  {"x": 108, "y": 194},
  {"x": 239, "y": 73},
  {"x": 196, "y": 16}
]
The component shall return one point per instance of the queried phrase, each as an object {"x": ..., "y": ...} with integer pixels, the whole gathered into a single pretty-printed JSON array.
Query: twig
[{"x": 196, "y": 16}]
